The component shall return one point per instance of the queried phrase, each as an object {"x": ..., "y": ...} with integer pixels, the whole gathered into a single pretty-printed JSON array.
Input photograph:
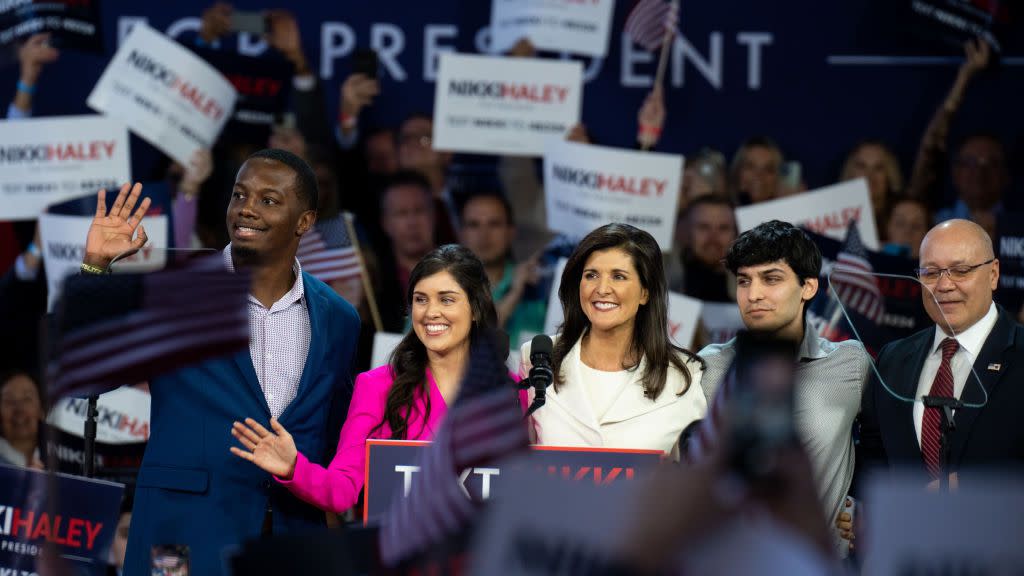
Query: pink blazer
[{"x": 336, "y": 488}]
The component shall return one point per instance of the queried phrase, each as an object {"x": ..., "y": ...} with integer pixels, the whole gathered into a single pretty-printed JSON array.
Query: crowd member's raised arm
[
  {"x": 33, "y": 56},
  {"x": 651, "y": 119},
  {"x": 925, "y": 180},
  {"x": 357, "y": 92}
]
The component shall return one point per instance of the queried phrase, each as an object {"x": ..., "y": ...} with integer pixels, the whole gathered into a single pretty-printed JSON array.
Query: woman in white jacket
[{"x": 619, "y": 380}]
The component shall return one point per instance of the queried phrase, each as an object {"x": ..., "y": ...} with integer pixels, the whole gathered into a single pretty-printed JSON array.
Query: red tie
[{"x": 930, "y": 424}]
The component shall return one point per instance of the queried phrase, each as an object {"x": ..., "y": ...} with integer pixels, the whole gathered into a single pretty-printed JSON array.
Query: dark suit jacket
[
  {"x": 190, "y": 489},
  {"x": 986, "y": 437}
]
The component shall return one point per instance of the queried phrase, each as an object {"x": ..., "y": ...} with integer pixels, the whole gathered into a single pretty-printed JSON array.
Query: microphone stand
[
  {"x": 89, "y": 444},
  {"x": 539, "y": 397},
  {"x": 946, "y": 425}
]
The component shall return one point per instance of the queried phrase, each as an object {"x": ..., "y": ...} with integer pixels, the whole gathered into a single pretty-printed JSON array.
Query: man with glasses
[{"x": 973, "y": 354}]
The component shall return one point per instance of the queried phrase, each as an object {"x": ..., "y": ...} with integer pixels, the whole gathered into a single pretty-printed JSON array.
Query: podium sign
[
  {"x": 392, "y": 465},
  {"x": 78, "y": 516}
]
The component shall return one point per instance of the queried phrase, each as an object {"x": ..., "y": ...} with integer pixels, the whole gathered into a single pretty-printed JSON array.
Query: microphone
[{"x": 541, "y": 376}]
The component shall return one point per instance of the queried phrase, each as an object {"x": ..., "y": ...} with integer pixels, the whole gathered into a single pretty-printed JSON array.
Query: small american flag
[
  {"x": 122, "y": 329},
  {"x": 651, "y": 20},
  {"x": 327, "y": 251},
  {"x": 852, "y": 277},
  {"x": 484, "y": 425}
]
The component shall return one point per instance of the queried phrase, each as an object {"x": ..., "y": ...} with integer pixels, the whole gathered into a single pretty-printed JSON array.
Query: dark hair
[
  {"x": 708, "y": 200},
  {"x": 650, "y": 338},
  {"x": 401, "y": 179},
  {"x": 773, "y": 241},
  {"x": 305, "y": 178},
  {"x": 505, "y": 204},
  {"x": 409, "y": 359}
]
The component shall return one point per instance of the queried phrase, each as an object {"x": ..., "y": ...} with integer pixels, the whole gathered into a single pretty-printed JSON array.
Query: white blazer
[{"x": 632, "y": 421}]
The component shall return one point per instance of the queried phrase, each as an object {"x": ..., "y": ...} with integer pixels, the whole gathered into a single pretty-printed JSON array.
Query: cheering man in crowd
[
  {"x": 191, "y": 491},
  {"x": 777, "y": 268}
]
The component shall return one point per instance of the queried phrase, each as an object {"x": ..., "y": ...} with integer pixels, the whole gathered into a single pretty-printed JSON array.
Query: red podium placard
[{"x": 391, "y": 466}]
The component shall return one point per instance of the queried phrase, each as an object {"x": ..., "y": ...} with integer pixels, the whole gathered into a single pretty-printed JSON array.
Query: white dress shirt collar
[{"x": 974, "y": 337}]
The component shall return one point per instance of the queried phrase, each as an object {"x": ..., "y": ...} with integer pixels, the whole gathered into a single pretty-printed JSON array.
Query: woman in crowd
[
  {"x": 21, "y": 417},
  {"x": 619, "y": 380},
  {"x": 450, "y": 305},
  {"x": 874, "y": 161}
]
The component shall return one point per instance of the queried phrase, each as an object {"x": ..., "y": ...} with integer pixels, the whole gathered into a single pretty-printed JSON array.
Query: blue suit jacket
[{"x": 191, "y": 490}]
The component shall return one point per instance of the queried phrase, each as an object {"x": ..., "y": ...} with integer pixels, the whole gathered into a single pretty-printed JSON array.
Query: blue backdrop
[{"x": 794, "y": 71}]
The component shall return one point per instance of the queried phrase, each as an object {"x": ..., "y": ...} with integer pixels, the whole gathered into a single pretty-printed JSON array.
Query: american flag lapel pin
[{"x": 995, "y": 367}]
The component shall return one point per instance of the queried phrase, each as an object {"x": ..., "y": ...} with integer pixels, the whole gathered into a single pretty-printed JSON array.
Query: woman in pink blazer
[{"x": 450, "y": 304}]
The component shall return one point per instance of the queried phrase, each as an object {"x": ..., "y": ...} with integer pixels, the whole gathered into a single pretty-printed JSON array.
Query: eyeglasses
[{"x": 955, "y": 273}]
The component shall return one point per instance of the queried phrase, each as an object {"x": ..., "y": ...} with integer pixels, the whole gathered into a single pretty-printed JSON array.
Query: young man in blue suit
[{"x": 191, "y": 491}]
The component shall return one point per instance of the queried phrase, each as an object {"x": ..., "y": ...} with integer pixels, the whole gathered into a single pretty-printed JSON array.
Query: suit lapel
[
  {"x": 631, "y": 401},
  {"x": 243, "y": 360},
  {"x": 572, "y": 396},
  {"x": 996, "y": 351},
  {"x": 316, "y": 303},
  {"x": 906, "y": 385}
]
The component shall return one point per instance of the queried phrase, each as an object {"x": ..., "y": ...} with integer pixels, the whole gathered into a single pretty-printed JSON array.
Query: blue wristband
[
  {"x": 33, "y": 250},
  {"x": 22, "y": 87}
]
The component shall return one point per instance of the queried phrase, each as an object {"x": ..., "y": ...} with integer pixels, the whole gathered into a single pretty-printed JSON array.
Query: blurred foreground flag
[
  {"x": 483, "y": 426},
  {"x": 112, "y": 330},
  {"x": 651, "y": 20}
]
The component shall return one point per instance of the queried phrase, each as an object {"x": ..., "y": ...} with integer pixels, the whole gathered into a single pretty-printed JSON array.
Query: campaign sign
[
  {"x": 64, "y": 248},
  {"x": 827, "y": 211},
  {"x": 262, "y": 84},
  {"x": 77, "y": 515},
  {"x": 164, "y": 93},
  {"x": 1009, "y": 243},
  {"x": 683, "y": 315},
  {"x": 557, "y": 25},
  {"x": 493, "y": 105},
  {"x": 123, "y": 416},
  {"x": 383, "y": 344},
  {"x": 47, "y": 160},
  {"x": 122, "y": 429},
  {"x": 588, "y": 186},
  {"x": 554, "y": 316},
  {"x": 71, "y": 25},
  {"x": 391, "y": 467},
  {"x": 721, "y": 321}
]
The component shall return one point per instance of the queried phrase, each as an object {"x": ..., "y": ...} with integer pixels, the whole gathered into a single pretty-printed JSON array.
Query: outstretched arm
[
  {"x": 336, "y": 487},
  {"x": 112, "y": 234},
  {"x": 930, "y": 154}
]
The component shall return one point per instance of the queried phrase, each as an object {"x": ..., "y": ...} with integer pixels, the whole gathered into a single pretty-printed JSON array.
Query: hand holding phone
[
  {"x": 250, "y": 22},
  {"x": 761, "y": 406}
]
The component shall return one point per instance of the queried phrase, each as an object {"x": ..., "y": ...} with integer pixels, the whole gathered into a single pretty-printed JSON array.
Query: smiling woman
[
  {"x": 450, "y": 305},
  {"x": 619, "y": 380}
]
